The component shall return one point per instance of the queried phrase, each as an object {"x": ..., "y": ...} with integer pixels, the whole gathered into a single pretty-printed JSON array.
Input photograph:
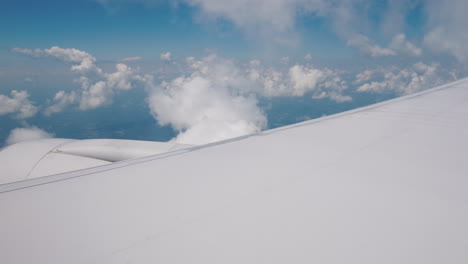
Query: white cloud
[
  {"x": 401, "y": 45},
  {"x": 276, "y": 14},
  {"x": 26, "y": 134},
  {"x": 18, "y": 103},
  {"x": 368, "y": 47},
  {"x": 363, "y": 76},
  {"x": 441, "y": 40},
  {"x": 70, "y": 55},
  {"x": 274, "y": 21},
  {"x": 101, "y": 92},
  {"x": 298, "y": 81},
  {"x": 417, "y": 77},
  {"x": 308, "y": 57},
  {"x": 121, "y": 79},
  {"x": 448, "y": 32},
  {"x": 166, "y": 56},
  {"x": 131, "y": 59},
  {"x": 95, "y": 95},
  {"x": 97, "y": 86},
  {"x": 29, "y": 52},
  {"x": 84, "y": 61},
  {"x": 398, "y": 46},
  {"x": 98, "y": 93},
  {"x": 304, "y": 79},
  {"x": 339, "y": 98},
  {"x": 60, "y": 101},
  {"x": 208, "y": 105}
]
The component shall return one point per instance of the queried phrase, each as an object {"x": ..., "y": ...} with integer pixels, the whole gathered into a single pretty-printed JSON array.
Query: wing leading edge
[{"x": 381, "y": 184}]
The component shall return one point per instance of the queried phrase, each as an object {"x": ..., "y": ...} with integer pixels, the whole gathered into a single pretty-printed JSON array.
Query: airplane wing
[{"x": 387, "y": 183}]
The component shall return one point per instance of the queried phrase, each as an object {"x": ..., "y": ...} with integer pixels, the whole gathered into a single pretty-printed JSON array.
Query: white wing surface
[
  {"x": 386, "y": 183},
  {"x": 34, "y": 159}
]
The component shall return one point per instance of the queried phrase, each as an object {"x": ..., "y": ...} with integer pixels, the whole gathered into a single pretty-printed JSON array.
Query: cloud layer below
[{"x": 215, "y": 98}]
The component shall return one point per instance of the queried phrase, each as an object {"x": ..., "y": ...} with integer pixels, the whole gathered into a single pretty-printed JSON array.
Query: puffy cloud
[
  {"x": 17, "y": 103},
  {"x": 304, "y": 79},
  {"x": 131, "y": 59},
  {"x": 299, "y": 80},
  {"x": 98, "y": 87},
  {"x": 308, "y": 57},
  {"x": 368, "y": 47},
  {"x": 408, "y": 80},
  {"x": 166, "y": 56},
  {"x": 401, "y": 45},
  {"x": 85, "y": 62},
  {"x": 95, "y": 95},
  {"x": 121, "y": 79},
  {"x": 60, "y": 101},
  {"x": 26, "y": 134},
  {"x": 208, "y": 105}
]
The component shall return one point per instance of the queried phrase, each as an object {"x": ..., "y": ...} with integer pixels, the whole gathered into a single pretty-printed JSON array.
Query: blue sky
[{"x": 203, "y": 70}]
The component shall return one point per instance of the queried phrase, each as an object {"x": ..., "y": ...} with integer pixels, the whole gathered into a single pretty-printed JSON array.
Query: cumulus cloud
[
  {"x": 17, "y": 103},
  {"x": 417, "y": 77},
  {"x": 299, "y": 80},
  {"x": 95, "y": 95},
  {"x": 26, "y": 134},
  {"x": 165, "y": 56},
  {"x": 304, "y": 79},
  {"x": 208, "y": 105},
  {"x": 121, "y": 79},
  {"x": 97, "y": 86},
  {"x": 60, "y": 101},
  {"x": 100, "y": 92},
  {"x": 308, "y": 57}
]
